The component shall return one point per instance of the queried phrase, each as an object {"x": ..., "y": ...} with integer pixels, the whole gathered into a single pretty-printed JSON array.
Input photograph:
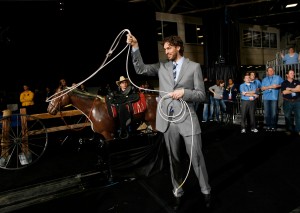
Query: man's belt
[{"x": 291, "y": 100}]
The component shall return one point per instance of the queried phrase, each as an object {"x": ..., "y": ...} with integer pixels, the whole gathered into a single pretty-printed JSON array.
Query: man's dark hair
[
  {"x": 174, "y": 41},
  {"x": 287, "y": 71}
]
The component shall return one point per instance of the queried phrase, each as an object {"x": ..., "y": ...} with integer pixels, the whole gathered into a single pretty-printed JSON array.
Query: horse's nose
[{"x": 51, "y": 111}]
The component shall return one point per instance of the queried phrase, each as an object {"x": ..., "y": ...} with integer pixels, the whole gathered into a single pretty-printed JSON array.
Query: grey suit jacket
[{"x": 190, "y": 78}]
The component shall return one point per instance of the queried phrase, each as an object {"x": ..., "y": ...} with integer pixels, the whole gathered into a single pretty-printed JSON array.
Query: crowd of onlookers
[{"x": 223, "y": 100}]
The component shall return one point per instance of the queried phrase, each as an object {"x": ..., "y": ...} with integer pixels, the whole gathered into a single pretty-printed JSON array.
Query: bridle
[
  {"x": 57, "y": 106},
  {"x": 58, "y": 109}
]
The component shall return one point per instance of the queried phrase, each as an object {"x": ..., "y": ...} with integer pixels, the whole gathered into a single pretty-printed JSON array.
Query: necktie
[
  {"x": 174, "y": 76},
  {"x": 174, "y": 70}
]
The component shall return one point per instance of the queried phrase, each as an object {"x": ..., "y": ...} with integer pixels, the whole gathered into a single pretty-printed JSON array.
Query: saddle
[{"x": 135, "y": 103}]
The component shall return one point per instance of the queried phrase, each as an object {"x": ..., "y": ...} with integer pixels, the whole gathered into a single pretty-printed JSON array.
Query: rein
[{"x": 62, "y": 117}]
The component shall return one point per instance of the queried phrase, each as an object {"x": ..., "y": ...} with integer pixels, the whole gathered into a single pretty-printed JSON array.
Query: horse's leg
[
  {"x": 105, "y": 152},
  {"x": 152, "y": 124},
  {"x": 150, "y": 118},
  {"x": 107, "y": 135}
]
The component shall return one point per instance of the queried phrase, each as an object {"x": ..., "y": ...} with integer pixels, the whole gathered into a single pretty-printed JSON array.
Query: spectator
[
  {"x": 38, "y": 100},
  {"x": 229, "y": 97},
  {"x": 218, "y": 90},
  {"x": 270, "y": 87},
  {"x": 291, "y": 57},
  {"x": 231, "y": 90},
  {"x": 148, "y": 87},
  {"x": 27, "y": 99},
  {"x": 47, "y": 93},
  {"x": 107, "y": 89},
  {"x": 83, "y": 88},
  {"x": 290, "y": 89},
  {"x": 248, "y": 95},
  {"x": 254, "y": 79},
  {"x": 62, "y": 84},
  {"x": 212, "y": 104}
]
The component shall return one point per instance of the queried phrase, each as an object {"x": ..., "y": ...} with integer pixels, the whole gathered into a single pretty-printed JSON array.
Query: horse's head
[{"x": 58, "y": 101}]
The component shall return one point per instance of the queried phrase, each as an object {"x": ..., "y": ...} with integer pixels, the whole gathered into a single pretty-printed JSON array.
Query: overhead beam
[
  {"x": 269, "y": 15},
  {"x": 222, "y": 6}
]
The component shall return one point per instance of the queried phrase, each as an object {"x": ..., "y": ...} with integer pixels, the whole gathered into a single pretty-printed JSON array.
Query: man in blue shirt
[
  {"x": 270, "y": 87},
  {"x": 248, "y": 96},
  {"x": 255, "y": 80}
]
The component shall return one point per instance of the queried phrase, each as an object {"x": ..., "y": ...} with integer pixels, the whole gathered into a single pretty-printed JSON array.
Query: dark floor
[{"x": 249, "y": 173}]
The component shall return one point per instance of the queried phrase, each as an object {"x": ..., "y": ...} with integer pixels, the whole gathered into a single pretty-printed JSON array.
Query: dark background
[{"x": 41, "y": 42}]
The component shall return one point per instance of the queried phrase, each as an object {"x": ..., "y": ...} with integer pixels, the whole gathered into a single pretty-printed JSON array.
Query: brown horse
[{"x": 95, "y": 108}]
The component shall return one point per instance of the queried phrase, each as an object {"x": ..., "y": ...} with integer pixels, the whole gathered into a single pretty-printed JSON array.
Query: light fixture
[{"x": 291, "y": 5}]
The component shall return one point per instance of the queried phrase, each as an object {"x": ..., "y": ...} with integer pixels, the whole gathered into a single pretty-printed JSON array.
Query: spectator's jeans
[
  {"x": 205, "y": 112},
  {"x": 270, "y": 113},
  {"x": 219, "y": 105},
  {"x": 288, "y": 108}
]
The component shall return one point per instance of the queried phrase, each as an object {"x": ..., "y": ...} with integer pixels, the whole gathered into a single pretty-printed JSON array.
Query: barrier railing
[
  {"x": 62, "y": 114},
  {"x": 281, "y": 68}
]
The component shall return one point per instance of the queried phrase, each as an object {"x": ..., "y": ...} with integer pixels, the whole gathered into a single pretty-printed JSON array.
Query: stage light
[{"x": 291, "y": 5}]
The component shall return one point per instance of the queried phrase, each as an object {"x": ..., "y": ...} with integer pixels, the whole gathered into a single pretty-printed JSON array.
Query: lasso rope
[
  {"x": 165, "y": 116},
  {"x": 112, "y": 48}
]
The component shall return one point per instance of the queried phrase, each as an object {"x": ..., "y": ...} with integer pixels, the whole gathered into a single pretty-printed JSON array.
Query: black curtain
[
  {"x": 39, "y": 43},
  {"x": 141, "y": 156},
  {"x": 222, "y": 55}
]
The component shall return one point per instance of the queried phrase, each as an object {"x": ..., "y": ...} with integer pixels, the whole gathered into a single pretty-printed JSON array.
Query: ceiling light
[{"x": 291, "y": 5}]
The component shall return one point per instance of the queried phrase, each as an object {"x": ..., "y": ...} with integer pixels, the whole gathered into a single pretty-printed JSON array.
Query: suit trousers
[{"x": 193, "y": 146}]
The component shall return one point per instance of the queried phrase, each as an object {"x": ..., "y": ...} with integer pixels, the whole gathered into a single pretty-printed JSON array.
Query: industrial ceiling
[{"x": 262, "y": 12}]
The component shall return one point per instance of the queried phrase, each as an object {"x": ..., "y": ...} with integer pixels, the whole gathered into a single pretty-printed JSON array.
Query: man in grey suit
[{"x": 180, "y": 85}]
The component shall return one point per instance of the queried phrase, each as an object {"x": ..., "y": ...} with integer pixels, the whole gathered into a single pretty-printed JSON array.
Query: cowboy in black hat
[{"x": 123, "y": 98}]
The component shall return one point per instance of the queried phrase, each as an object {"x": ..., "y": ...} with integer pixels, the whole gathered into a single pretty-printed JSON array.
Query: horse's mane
[{"x": 83, "y": 94}]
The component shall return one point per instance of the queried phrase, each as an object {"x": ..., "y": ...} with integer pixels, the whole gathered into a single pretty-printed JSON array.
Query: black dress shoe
[
  {"x": 207, "y": 200},
  {"x": 177, "y": 203}
]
